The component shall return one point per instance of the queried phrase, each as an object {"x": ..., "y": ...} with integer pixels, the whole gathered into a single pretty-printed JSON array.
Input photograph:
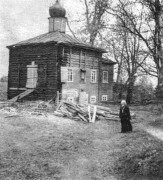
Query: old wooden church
[{"x": 56, "y": 62}]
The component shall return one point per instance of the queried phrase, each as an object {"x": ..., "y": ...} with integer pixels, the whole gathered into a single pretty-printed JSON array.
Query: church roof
[
  {"x": 108, "y": 61},
  {"x": 57, "y": 37}
]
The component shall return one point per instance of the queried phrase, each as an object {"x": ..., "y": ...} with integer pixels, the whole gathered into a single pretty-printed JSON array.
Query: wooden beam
[
  {"x": 80, "y": 58},
  {"x": 85, "y": 59},
  {"x": 70, "y": 57},
  {"x": 63, "y": 54},
  {"x": 19, "y": 76}
]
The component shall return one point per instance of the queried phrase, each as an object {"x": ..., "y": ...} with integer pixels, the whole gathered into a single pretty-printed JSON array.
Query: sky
[{"x": 24, "y": 19}]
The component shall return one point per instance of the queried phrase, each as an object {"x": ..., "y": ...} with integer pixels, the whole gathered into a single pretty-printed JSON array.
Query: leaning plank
[
  {"x": 94, "y": 114},
  {"x": 58, "y": 114},
  {"x": 82, "y": 118},
  {"x": 89, "y": 113},
  {"x": 60, "y": 104},
  {"x": 21, "y": 95}
]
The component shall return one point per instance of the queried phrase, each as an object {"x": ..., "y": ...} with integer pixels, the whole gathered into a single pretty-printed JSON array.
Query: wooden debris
[
  {"x": 89, "y": 113},
  {"x": 10, "y": 116},
  {"x": 94, "y": 114}
]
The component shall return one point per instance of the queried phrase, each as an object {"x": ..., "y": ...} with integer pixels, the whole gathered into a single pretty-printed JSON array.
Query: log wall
[
  {"x": 49, "y": 58},
  {"x": 77, "y": 59},
  {"x": 46, "y": 58}
]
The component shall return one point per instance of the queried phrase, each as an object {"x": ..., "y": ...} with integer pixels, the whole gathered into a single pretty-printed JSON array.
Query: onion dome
[{"x": 57, "y": 10}]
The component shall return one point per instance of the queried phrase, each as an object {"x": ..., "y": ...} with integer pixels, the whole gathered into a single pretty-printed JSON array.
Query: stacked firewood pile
[{"x": 86, "y": 113}]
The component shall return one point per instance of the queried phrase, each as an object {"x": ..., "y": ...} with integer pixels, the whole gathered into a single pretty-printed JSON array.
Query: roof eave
[
  {"x": 109, "y": 63},
  {"x": 65, "y": 43}
]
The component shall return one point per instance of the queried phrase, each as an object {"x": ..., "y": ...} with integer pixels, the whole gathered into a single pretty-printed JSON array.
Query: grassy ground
[
  {"x": 158, "y": 123},
  {"x": 3, "y": 91},
  {"x": 38, "y": 147}
]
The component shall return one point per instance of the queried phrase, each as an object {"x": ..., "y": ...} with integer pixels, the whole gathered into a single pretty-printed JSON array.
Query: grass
[
  {"x": 142, "y": 158},
  {"x": 3, "y": 91},
  {"x": 38, "y": 147},
  {"x": 158, "y": 123}
]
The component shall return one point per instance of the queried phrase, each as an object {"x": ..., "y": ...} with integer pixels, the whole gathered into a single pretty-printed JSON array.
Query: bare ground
[{"x": 46, "y": 148}]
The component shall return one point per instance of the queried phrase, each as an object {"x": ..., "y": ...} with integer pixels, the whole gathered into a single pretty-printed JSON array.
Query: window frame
[
  {"x": 93, "y": 97},
  {"x": 104, "y": 96},
  {"x": 95, "y": 76},
  {"x": 32, "y": 75},
  {"x": 69, "y": 75},
  {"x": 105, "y": 80}
]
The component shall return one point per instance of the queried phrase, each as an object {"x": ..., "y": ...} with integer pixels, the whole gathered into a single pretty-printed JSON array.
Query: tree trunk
[
  {"x": 118, "y": 80},
  {"x": 158, "y": 54},
  {"x": 159, "y": 90},
  {"x": 129, "y": 96}
]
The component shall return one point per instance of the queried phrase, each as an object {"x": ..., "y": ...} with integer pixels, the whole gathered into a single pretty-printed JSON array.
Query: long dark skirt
[{"x": 126, "y": 125}]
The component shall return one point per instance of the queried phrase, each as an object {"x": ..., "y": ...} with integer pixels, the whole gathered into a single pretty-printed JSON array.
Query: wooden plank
[
  {"x": 70, "y": 56},
  {"x": 89, "y": 113},
  {"x": 21, "y": 95},
  {"x": 94, "y": 114}
]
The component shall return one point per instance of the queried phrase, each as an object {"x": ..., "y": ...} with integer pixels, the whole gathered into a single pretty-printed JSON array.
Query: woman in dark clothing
[{"x": 125, "y": 117}]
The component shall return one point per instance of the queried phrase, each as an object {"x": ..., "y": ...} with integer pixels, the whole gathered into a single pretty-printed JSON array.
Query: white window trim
[
  {"x": 103, "y": 80},
  {"x": 104, "y": 97},
  {"x": 68, "y": 75},
  {"x": 93, "y": 70},
  {"x": 93, "y": 97}
]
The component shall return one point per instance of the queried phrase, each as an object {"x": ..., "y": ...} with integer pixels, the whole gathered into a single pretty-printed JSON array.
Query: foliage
[
  {"x": 144, "y": 90},
  {"x": 3, "y": 91},
  {"x": 4, "y": 79},
  {"x": 95, "y": 10}
]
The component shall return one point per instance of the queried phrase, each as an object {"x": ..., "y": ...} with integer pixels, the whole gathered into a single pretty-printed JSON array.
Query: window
[
  {"x": 83, "y": 75},
  {"x": 104, "y": 97},
  {"x": 93, "y": 76},
  {"x": 32, "y": 75},
  {"x": 105, "y": 77},
  {"x": 93, "y": 99},
  {"x": 70, "y": 75}
]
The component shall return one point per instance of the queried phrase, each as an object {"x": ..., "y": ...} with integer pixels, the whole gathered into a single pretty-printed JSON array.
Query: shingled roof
[{"x": 56, "y": 37}]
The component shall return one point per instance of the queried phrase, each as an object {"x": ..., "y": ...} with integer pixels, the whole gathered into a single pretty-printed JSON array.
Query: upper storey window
[{"x": 93, "y": 76}]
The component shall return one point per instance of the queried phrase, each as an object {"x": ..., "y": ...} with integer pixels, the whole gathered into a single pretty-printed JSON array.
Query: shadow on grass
[
  {"x": 158, "y": 123},
  {"x": 141, "y": 157}
]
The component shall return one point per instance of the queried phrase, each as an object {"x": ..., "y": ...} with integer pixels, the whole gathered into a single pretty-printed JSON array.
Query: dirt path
[{"x": 157, "y": 133}]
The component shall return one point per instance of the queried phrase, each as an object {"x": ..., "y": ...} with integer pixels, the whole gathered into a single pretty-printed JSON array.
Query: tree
[
  {"x": 95, "y": 10},
  {"x": 129, "y": 55},
  {"x": 145, "y": 23},
  {"x": 145, "y": 89},
  {"x": 155, "y": 16}
]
